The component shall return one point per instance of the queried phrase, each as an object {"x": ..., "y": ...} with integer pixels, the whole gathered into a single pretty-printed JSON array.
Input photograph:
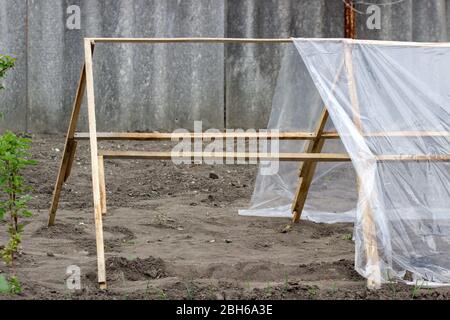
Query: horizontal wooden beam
[
  {"x": 394, "y": 134},
  {"x": 315, "y": 157},
  {"x": 414, "y": 157},
  {"x": 190, "y": 40},
  {"x": 249, "y": 135},
  {"x": 271, "y": 40},
  {"x": 382, "y": 42},
  {"x": 322, "y": 157},
  {"x": 205, "y": 135}
]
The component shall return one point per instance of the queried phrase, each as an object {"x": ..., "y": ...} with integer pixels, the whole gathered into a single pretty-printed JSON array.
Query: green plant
[
  {"x": 247, "y": 285},
  {"x": 269, "y": 289},
  {"x": 14, "y": 285},
  {"x": 14, "y": 157},
  {"x": 4, "y": 285},
  {"x": 189, "y": 289},
  {"x": 334, "y": 288},
  {"x": 10, "y": 286},
  {"x": 393, "y": 287},
  {"x": 6, "y": 63},
  {"x": 286, "y": 283},
  {"x": 162, "y": 294},
  {"x": 415, "y": 289},
  {"x": 312, "y": 292},
  {"x": 347, "y": 236}
]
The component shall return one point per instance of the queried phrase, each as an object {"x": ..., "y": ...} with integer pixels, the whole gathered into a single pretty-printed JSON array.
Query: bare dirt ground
[{"x": 173, "y": 232}]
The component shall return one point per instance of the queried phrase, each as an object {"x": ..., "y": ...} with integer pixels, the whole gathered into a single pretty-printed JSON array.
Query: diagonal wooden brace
[
  {"x": 308, "y": 168},
  {"x": 69, "y": 148}
]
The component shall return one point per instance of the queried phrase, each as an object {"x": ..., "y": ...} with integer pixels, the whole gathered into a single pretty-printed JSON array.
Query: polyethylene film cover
[
  {"x": 389, "y": 99},
  {"x": 297, "y": 106}
]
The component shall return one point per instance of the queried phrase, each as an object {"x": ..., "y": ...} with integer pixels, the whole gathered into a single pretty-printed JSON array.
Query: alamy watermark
[
  {"x": 372, "y": 11},
  {"x": 234, "y": 146},
  {"x": 73, "y": 277},
  {"x": 73, "y": 21}
]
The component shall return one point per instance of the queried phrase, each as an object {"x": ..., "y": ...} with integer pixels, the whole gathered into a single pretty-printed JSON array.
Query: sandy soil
[{"x": 173, "y": 232}]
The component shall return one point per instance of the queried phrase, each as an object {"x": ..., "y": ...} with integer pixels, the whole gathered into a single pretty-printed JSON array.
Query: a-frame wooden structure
[{"x": 309, "y": 158}]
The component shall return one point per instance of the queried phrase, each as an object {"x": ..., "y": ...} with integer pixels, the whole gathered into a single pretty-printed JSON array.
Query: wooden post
[
  {"x": 69, "y": 148},
  {"x": 88, "y": 48},
  {"x": 369, "y": 228}
]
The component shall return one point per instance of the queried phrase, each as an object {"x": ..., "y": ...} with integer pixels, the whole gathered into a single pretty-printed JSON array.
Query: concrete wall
[{"x": 163, "y": 87}]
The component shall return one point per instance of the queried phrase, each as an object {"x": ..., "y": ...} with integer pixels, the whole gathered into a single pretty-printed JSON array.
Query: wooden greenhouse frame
[{"x": 310, "y": 157}]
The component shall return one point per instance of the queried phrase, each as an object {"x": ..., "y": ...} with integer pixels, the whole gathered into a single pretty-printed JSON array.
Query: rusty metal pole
[{"x": 350, "y": 19}]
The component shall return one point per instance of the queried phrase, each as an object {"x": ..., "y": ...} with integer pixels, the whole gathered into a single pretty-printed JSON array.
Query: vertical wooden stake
[
  {"x": 101, "y": 179},
  {"x": 69, "y": 148},
  {"x": 88, "y": 48},
  {"x": 369, "y": 228}
]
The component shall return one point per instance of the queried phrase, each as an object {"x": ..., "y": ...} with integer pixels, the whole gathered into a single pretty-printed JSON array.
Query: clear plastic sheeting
[
  {"x": 388, "y": 98},
  {"x": 297, "y": 106},
  {"x": 384, "y": 99}
]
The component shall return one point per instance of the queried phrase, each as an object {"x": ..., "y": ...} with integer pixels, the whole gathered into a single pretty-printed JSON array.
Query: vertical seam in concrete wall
[
  {"x": 225, "y": 56},
  {"x": 27, "y": 93}
]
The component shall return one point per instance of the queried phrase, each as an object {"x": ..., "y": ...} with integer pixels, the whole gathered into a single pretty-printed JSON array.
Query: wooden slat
[
  {"x": 94, "y": 165},
  {"x": 156, "y": 155},
  {"x": 273, "y": 40},
  {"x": 414, "y": 158},
  {"x": 383, "y": 42},
  {"x": 394, "y": 134},
  {"x": 314, "y": 157},
  {"x": 191, "y": 40},
  {"x": 148, "y": 136},
  {"x": 308, "y": 169},
  {"x": 68, "y": 153}
]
